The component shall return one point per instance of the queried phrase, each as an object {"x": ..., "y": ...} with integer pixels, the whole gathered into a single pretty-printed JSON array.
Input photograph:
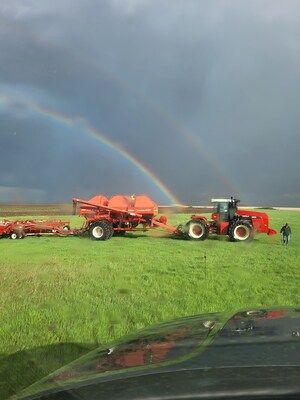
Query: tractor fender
[
  {"x": 202, "y": 219},
  {"x": 196, "y": 229},
  {"x": 246, "y": 219}
]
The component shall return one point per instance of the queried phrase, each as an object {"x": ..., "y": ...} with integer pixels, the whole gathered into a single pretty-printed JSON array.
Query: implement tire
[
  {"x": 196, "y": 230},
  {"x": 111, "y": 230},
  {"x": 101, "y": 230},
  {"x": 241, "y": 231},
  {"x": 14, "y": 235}
]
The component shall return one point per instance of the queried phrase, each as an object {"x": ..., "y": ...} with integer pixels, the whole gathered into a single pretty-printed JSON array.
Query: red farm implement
[
  {"x": 11, "y": 229},
  {"x": 120, "y": 214},
  {"x": 19, "y": 229}
]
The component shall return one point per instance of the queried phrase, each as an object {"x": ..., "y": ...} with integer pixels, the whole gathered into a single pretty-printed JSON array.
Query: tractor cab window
[{"x": 221, "y": 207}]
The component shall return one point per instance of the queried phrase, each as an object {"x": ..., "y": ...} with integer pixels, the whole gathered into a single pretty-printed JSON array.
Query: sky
[{"x": 183, "y": 100}]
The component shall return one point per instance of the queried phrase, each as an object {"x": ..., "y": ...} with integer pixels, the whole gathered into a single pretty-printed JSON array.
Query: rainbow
[
  {"x": 83, "y": 126},
  {"x": 189, "y": 136}
]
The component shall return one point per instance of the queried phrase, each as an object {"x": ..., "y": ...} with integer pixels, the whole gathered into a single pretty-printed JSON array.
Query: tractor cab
[{"x": 224, "y": 210}]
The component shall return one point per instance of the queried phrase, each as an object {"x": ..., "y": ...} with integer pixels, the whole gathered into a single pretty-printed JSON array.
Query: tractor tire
[
  {"x": 196, "y": 230},
  {"x": 241, "y": 231},
  {"x": 101, "y": 230}
]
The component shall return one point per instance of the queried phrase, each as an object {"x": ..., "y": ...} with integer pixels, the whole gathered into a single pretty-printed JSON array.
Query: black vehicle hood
[{"x": 219, "y": 351}]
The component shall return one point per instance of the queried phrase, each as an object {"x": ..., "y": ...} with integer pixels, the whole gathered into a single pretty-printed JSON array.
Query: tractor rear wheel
[
  {"x": 196, "y": 230},
  {"x": 241, "y": 231},
  {"x": 101, "y": 230}
]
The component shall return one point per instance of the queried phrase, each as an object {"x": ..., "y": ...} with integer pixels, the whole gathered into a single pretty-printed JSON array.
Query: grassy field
[{"x": 61, "y": 296}]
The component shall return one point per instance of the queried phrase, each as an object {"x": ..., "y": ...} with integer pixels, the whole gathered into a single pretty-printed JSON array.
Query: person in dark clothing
[{"x": 286, "y": 233}]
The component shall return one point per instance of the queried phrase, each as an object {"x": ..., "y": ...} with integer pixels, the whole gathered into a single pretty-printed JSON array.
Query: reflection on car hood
[{"x": 249, "y": 338}]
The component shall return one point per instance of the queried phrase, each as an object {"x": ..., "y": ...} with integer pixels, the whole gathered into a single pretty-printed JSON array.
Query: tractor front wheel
[
  {"x": 196, "y": 230},
  {"x": 241, "y": 231},
  {"x": 101, "y": 230}
]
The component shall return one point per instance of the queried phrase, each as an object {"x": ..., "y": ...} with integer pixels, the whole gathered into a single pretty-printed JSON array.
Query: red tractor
[{"x": 239, "y": 225}]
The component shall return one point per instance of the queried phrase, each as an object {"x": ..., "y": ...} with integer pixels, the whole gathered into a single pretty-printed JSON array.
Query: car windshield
[
  {"x": 149, "y": 173},
  {"x": 173, "y": 341}
]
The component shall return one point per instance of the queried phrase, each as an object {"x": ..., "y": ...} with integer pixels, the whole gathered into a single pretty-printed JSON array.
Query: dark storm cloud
[{"x": 145, "y": 72}]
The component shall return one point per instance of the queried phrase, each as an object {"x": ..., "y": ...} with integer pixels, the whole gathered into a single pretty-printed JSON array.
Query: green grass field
[{"x": 61, "y": 296}]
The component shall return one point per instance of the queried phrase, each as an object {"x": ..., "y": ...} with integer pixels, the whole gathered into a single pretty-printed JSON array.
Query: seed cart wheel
[
  {"x": 66, "y": 227},
  {"x": 110, "y": 228},
  {"x": 14, "y": 235},
  {"x": 241, "y": 231},
  {"x": 196, "y": 230},
  {"x": 100, "y": 230}
]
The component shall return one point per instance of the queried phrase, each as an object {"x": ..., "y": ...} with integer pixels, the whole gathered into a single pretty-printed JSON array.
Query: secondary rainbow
[{"x": 190, "y": 137}]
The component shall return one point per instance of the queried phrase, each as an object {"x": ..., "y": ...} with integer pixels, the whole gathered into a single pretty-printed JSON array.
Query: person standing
[{"x": 286, "y": 233}]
